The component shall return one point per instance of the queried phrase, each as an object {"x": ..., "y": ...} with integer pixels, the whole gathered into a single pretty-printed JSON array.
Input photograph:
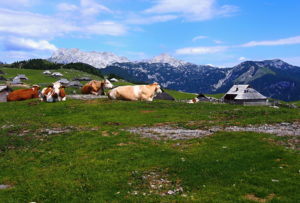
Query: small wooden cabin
[
  {"x": 4, "y": 91},
  {"x": 246, "y": 95}
]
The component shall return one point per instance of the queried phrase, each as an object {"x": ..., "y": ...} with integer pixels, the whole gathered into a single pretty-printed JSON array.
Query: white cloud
[
  {"x": 150, "y": 20},
  {"x": 218, "y": 42},
  {"x": 17, "y": 4},
  {"x": 192, "y": 10},
  {"x": 216, "y": 49},
  {"x": 28, "y": 24},
  {"x": 198, "y": 38},
  {"x": 242, "y": 58},
  {"x": 201, "y": 50},
  {"x": 106, "y": 28},
  {"x": 65, "y": 7},
  {"x": 17, "y": 44},
  {"x": 90, "y": 8},
  {"x": 285, "y": 41}
]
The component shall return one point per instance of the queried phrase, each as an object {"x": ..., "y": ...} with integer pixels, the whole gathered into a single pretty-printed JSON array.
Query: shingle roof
[
  {"x": 75, "y": 83},
  {"x": 64, "y": 81},
  {"x": 22, "y": 76},
  {"x": 16, "y": 80},
  {"x": 2, "y": 87},
  {"x": 47, "y": 72},
  {"x": 244, "y": 92}
]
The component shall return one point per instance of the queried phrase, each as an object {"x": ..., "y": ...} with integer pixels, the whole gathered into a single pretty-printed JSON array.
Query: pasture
[
  {"x": 37, "y": 76},
  {"x": 80, "y": 151}
]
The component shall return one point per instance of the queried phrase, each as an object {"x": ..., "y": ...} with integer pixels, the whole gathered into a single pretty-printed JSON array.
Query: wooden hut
[
  {"x": 57, "y": 74},
  {"x": 4, "y": 91},
  {"x": 63, "y": 81},
  {"x": 22, "y": 77},
  {"x": 163, "y": 96},
  {"x": 75, "y": 84},
  {"x": 244, "y": 94}
]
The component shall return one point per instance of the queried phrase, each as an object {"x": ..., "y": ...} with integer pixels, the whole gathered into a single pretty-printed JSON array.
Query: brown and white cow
[
  {"x": 24, "y": 94},
  {"x": 53, "y": 93},
  {"x": 96, "y": 87},
  {"x": 193, "y": 101},
  {"x": 135, "y": 92}
]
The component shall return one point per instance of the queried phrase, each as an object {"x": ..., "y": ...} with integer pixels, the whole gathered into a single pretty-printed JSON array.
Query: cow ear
[{"x": 50, "y": 86}]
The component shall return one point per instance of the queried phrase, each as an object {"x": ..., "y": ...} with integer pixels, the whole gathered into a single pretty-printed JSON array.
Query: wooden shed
[
  {"x": 4, "y": 91},
  {"x": 244, "y": 94}
]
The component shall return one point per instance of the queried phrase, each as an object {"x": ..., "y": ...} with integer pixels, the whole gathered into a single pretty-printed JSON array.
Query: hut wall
[
  {"x": 253, "y": 102},
  {"x": 3, "y": 96}
]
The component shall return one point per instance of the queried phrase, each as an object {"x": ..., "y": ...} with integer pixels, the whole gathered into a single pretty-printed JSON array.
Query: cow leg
[{"x": 95, "y": 93}]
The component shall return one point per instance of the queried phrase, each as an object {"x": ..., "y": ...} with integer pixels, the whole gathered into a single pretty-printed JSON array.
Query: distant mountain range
[
  {"x": 96, "y": 59},
  {"x": 273, "y": 78}
]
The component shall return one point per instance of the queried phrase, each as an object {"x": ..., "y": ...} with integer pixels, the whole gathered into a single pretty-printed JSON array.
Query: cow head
[
  {"x": 157, "y": 88},
  {"x": 54, "y": 93},
  {"x": 108, "y": 84},
  {"x": 98, "y": 86},
  {"x": 35, "y": 87}
]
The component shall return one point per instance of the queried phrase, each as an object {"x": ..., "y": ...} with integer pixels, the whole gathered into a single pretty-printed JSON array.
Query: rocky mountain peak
[
  {"x": 166, "y": 58},
  {"x": 96, "y": 59}
]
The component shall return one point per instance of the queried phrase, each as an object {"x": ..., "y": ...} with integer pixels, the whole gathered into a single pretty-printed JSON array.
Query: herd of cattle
[{"x": 56, "y": 92}]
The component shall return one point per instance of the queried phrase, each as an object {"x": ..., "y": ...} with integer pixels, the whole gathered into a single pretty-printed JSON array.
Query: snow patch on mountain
[
  {"x": 222, "y": 81},
  {"x": 96, "y": 59},
  {"x": 166, "y": 58}
]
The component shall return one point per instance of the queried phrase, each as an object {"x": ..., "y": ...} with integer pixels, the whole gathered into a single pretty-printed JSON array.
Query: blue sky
[{"x": 218, "y": 32}]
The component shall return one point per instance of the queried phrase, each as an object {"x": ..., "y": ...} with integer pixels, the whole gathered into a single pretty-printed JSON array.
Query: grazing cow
[
  {"x": 192, "y": 101},
  {"x": 53, "y": 93},
  {"x": 135, "y": 92},
  {"x": 96, "y": 87},
  {"x": 24, "y": 94}
]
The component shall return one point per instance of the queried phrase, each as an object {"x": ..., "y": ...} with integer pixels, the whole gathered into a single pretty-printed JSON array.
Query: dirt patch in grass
[
  {"x": 169, "y": 133},
  {"x": 33, "y": 103},
  {"x": 290, "y": 131},
  {"x": 53, "y": 131},
  {"x": 105, "y": 134},
  {"x": 125, "y": 144},
  {"x": 86, "y": 96},
  {"x": 112, "y": 123},
  {"x": 254, "y": 198},
  {"x": 5, "y": 186},
  {"x": 154, "y": 182},
  {"x": 147, "y": 111},
  {"x": 290, "y": 142},
  {"x": 278, "y": 129}
]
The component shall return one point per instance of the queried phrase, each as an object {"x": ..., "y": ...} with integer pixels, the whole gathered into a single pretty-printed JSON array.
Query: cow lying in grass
[
  {"x": 24, "y": 94},
  {"x": 135, "y": 92},
  {"x": 96, "y": 87},
  {"x": 193, "y": 101},
  {"x": 53, "y": 93}
]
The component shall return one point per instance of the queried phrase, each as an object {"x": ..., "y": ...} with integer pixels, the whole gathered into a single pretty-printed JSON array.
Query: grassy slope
[
  {"x": 180, "y": 95},
  {"x": 37, "y": 76},
  {"x": 90, "y": 165}
]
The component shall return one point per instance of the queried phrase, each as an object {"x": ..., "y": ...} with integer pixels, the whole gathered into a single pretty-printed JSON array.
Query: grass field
[
  {"x": 37, "y": 76},
  {"x": 95, "y": 160},
  {"x": 80, "y": 151}
]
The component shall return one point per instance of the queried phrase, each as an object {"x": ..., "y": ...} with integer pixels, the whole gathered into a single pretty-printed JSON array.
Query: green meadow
[
  {"x": 37, "y": 76},
  {"x": 80, "y": 151}
]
